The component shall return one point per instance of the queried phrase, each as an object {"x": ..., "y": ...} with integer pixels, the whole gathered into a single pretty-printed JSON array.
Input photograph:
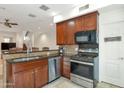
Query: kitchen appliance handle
[
  {"x": 55, "y": 63},
  {"x": 80, "y": 62}
]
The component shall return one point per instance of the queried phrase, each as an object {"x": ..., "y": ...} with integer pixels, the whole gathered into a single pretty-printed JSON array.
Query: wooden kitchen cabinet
[
  {"x": 60, "y": 33},
  {"x": 66, "y": 30},
  {"x": 90, "y": 21},
  {"x": 41, "y": 75},
  {"x": 61, "y": 65},
  {"x": 27, "y": 74},
  {"x": 66, "y": 70},
  {"x": 70, "y": 31},
  {"x": 79, "y": 24},
  {"x": 24, "y": 79},
  {"x": 66, "y": 67}
]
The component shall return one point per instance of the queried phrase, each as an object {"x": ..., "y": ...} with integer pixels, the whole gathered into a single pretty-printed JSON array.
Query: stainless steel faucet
[{"x": 28, "y": 43}]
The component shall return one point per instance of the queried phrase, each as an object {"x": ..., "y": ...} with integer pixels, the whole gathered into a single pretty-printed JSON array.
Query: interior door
[{"x": 113, "y": 65}]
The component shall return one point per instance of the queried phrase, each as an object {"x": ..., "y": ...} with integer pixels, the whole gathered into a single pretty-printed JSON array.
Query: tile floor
[
  {"x": 62, "y": 83},
  {"x": 65, "y": 83}
]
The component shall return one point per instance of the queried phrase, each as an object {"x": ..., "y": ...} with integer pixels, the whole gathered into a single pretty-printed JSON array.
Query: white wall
[
  {"x": 45, "y": 39},
  {"x": 20, "y": 38},
  {"x": 108, "y": 15}
]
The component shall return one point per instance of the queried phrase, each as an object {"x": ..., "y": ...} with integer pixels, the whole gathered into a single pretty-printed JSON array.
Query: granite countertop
[
  {"x": 30, "y": 58},
  {"x": 26, "y": 51}
]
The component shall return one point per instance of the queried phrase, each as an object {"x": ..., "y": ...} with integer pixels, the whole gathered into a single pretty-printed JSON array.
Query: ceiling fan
[{"x": 8, "y": 24}]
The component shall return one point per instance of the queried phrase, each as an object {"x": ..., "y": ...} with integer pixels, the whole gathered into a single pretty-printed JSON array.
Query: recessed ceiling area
[{"x": 31, "y": 16}]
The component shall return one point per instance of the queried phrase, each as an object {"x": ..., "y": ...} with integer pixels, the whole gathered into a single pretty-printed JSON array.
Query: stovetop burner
[{"x": 84, "y": 57}]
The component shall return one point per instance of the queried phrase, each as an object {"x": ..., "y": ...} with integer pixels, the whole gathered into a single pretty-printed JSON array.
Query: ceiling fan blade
[
  {"x": 6, "y": 20},
  {"x": 13, "y": 23},
  {"x": 9, "y": 26}
]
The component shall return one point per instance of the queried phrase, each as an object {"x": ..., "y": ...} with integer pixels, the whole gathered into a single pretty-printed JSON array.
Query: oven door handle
[{"x": 80, "y": 62}]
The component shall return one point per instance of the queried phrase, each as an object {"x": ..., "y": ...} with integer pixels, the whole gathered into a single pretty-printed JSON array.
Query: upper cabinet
[
  {"x": 90, "y": 21},
  {"x": 67, "y": 29},
  {"x": 79, "y": 23},
  {"x": 60, "y": 33},
  {"x": 65, "y": 32},
  {"x": 70, "y": 30}
]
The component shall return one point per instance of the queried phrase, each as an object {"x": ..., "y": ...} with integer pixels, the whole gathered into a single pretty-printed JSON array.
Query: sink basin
[{"x": 25, "y": 59}]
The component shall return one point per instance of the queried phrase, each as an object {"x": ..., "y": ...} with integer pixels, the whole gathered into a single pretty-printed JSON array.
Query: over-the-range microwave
[{"x": 85, "y": 37}]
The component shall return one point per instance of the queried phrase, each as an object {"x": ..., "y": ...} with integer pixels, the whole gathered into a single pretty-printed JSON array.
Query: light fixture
[{"x": 53, "y": 13}]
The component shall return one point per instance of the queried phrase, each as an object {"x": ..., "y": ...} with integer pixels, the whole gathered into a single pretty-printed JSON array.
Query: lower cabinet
[
  {"x": 24, "y": 79},
  {"x": 32, "y": 74},
  {"x": 66, "y": 67},
  {"x": 66, "y": 70},
  {"x": 41, "y": 76}
]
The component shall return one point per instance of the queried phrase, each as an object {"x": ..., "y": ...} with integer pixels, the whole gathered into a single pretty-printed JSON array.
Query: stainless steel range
[{"x": 83, "y": 68}]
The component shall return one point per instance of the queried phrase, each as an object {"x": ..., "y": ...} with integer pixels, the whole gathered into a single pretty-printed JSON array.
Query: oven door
[{"x": 83, "y": 70}]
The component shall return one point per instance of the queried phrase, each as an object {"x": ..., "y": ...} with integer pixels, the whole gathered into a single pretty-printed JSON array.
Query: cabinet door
[
  {"x": 90, "y": 21},
  {"x": 70, "y": 30},
  {"x": 41, "y": 75},
  {"x": 60, "y": 33},
  {"x": 24, "y": 79},
  {"x": 79, "y": 23},
  {"x": 66, "y": 69},
  {"x": 61, "y": 65}
]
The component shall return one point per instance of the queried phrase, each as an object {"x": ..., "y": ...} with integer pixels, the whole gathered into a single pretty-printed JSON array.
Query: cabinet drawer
[{"x": 28, "y": 65}]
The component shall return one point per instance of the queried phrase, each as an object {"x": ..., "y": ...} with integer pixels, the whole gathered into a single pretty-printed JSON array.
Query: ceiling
[{"x": 19, "y": 13}]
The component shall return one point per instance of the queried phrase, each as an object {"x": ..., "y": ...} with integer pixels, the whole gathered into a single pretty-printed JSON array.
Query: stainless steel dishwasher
[{"x": 54, "y": 68}]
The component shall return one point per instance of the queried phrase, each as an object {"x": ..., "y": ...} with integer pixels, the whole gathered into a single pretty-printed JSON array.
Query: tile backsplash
[
  {"x": 70, "y": 49},
  {"x": 18, "y": 55}
]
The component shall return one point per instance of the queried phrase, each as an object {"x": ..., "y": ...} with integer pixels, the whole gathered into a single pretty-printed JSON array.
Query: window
[{"x": 7, "y": 39}]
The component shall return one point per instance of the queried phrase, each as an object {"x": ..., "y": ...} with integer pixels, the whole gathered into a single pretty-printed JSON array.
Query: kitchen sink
[{"x": 25, "y": 59}]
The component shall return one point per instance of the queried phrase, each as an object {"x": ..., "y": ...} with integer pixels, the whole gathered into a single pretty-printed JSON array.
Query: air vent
[
  {"x": 83, "y": 8},
  {"x": 44, "y": 7},
  {"x": 32, "y": 15},
  {"x": 2, "y": 8}
]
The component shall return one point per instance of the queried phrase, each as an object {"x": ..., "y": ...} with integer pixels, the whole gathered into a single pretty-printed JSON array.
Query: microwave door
[
  {"x": 82, "y": 39},
  {"x": 85, "y": 37}
]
